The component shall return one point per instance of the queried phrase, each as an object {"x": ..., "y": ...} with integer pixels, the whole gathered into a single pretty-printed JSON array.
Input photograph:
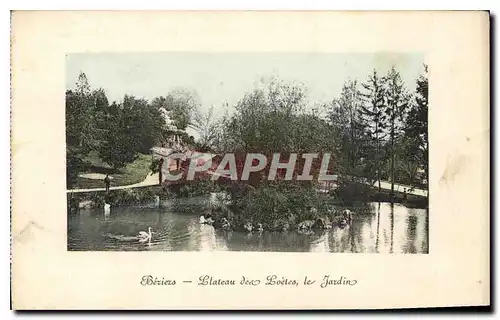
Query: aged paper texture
[{"x": 397, "y": 255}]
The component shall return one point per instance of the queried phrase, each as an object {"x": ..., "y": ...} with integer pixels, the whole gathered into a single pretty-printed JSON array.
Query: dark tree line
[
  {"x": 376, "y": 129},
  {"x": 119, "y": 131},
  {"x": 383, "y": 128}
]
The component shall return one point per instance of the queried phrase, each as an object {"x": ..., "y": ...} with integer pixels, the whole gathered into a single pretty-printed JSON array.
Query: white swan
[
  {"x": 203, "y": 220},
  {"x": 347, "y": 215},
  {"x": 107, "y": 209},
  {"x": 225, "y": 224},
  {"x": 145, "y": 236},
  {"x": 260, "y": 228},
  {"x": 248, "y": 226}
]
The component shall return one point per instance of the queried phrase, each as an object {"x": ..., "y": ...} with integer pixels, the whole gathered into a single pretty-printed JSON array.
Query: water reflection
[
  {"x": 322, "y": 244},
  {"x": 376, "y": 228}
]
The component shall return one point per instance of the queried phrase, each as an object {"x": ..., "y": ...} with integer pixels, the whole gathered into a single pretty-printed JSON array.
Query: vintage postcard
[{"x": 250, "y": 160}]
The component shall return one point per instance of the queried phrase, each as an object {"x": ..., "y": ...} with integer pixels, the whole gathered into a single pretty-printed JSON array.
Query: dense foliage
[
  {"x": 119, "y": 131},
  {"x": 375, "y": 129}
]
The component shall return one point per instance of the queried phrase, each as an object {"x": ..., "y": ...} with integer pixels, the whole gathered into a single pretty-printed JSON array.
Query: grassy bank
[
  {"x": 116, "y": 198},
  {"x": 199, "y": 188},
  {"x": 134, "y": 172}
]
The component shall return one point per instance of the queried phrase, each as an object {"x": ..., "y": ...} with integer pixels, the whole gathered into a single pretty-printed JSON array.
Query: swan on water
[
  {"x": 248, "y": 226},
  {"x": 343, "y": 223},
  {"x": 107, "y": 209},
  {"x": 347, "y": 216},
  {"x": 225, "y": 223},
  {"x": 208, "y": 220},
  {"x": 145, "y": 236},
  {"x": 260, "y": 228}
]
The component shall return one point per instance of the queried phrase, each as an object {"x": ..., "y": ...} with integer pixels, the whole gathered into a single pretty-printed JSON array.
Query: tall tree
[
  {"x": 79, "y": 115},
  {"x": 99, "y": 114},
  {"x": 181, "y": 104},
  {"x": 345, "y": 115},
  {"x": 82, "y": 85},
  {"x": 145, "y": 121},
  {"x": 397, "y": 100},
  {"x": 81, "y": 133},
  {"x": 416, "y": 128},
  {"x": 120, "y": 147},
  {"x": 206, "y": 127},
  {"x": 374, "y": 118},
  {"x": 264, "y": 119}
]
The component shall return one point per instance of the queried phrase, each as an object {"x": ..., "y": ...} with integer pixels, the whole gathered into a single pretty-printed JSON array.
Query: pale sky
[{"x": 220, "y": 77}]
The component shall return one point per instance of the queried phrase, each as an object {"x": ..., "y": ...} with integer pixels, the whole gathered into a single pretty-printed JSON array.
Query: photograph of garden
[{"x": 134, "y": 121}]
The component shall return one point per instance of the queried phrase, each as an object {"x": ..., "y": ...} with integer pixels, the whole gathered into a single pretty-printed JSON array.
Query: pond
[{"x": 376, "y": 228}]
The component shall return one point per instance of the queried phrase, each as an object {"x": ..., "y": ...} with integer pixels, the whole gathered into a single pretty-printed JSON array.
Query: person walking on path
[{"x": 107, "y": 182}]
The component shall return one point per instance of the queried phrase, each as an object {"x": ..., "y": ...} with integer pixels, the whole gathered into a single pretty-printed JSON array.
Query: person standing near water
[
  {"x": 107, "y": 182},
  {"x": 160, "y": 171}
]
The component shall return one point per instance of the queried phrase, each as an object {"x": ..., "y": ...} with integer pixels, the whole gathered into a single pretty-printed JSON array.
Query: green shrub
[
  {"x": 196, "y": 188},
  {"x": 285, "y": 200},
  {"x": 350, "y": 191},
  {"x": 117, "y": 198}
]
